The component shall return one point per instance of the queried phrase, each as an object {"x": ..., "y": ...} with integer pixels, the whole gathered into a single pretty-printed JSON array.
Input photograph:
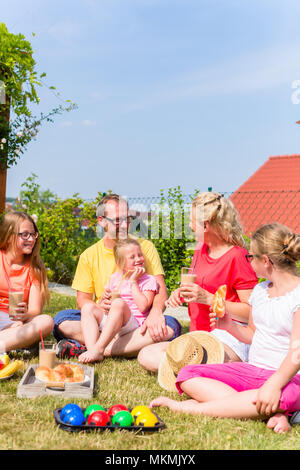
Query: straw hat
[{"x": 197, "y": 347}]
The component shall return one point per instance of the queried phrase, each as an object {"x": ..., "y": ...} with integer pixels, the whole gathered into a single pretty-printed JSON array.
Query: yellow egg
[
  {"x": 146, "y": 419},
  {"x": 135, "y": 412}
]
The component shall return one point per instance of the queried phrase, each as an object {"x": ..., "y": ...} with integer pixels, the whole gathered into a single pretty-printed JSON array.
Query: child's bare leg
[
  {"x": 26, "y": 334},
  {"x": 205, "y": 389},
  {"x": 91, "y": 316},
  {"x": 238, "y": 405},
  {"x": 118, "y": 316},
  {"x": 279, "y": 423}
]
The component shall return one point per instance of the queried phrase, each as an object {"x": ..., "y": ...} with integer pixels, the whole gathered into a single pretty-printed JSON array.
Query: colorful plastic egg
[
  {"x": 90, "y": 409},
  {"x": 75, "y": 418},
  {"x": 70, "y": 407},
  {"x": 115, "y": 409},
  {"x": 122, "y": 418},
  {"x": 98, "y": 418},
  {"x": 137, "y": 410},
  {"x": 146, "y": 420}
]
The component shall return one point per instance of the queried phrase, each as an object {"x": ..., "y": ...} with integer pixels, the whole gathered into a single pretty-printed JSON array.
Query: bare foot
[
  {"x": 165, "y": 401},
  {"x": 91, "y": 355},
  {"x": 279, "y": 423}
]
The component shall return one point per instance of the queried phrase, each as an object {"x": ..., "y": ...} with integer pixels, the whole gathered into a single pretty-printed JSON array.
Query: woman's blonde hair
[
  {"x": 221, "y": 214},
  {"x": 118, "y": 250},
  {"x": 280, "y": 244},
  {"x": 9, "y": 229}
]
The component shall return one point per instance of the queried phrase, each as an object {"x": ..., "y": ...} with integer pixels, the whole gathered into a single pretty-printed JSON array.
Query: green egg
[
  {"x": 122, "y": 418},
  {"x": 90, "y": 409}
]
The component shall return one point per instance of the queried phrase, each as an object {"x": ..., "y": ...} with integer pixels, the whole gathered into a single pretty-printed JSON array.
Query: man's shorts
[{"x": 75, "y": 315}]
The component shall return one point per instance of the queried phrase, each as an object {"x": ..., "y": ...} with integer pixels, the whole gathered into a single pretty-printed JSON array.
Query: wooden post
[
  {"x": 3, "y": 175},
  {"x": 4, "y": 116}
]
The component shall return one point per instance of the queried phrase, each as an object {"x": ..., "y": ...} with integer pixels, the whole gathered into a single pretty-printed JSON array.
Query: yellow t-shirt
[{"x": 97, "y": 263}]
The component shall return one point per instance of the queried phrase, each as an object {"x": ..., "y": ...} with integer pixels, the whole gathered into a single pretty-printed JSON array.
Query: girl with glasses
[
  {"x": 22, "y": 271},
  {"x": 268, "y": 386}
]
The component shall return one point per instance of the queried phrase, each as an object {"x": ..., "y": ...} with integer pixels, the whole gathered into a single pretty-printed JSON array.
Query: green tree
[{"x": 18, "y": 93}]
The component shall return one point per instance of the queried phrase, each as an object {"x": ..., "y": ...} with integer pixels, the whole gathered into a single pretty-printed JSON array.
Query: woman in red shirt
[
  {"x": 219, "y": 259},
  {"x": 21, "y": 269}
]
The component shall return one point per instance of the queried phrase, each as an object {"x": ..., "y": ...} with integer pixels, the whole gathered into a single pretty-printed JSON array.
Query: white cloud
[
  {"x": 88, "y": 123},
  {"x": 256, "y": 71}
]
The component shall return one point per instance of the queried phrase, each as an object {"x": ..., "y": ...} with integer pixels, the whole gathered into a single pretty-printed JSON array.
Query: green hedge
[{"x": 63, "y": 237}]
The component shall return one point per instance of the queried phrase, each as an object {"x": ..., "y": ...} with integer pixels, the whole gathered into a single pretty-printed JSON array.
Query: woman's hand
[
  {"x": 267, "y": 399},
  {"x": 174, "y": 300},
  {"x": 191, "y": 292},
  {"x": 220, "y": 323}
]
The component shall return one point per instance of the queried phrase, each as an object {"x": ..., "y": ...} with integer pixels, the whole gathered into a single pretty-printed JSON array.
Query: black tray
[{"x": 109, "y": 427}]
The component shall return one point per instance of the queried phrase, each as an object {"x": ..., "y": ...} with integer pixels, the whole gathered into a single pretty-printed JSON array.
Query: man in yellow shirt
[{"x": 94, "y": 268}]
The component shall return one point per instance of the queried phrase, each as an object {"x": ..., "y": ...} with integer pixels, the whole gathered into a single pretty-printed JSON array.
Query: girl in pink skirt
[{"x": 268, "y": 386}]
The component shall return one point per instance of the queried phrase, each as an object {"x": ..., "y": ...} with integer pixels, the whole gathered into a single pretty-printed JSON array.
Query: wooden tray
[{"x": 30, "y": 387}]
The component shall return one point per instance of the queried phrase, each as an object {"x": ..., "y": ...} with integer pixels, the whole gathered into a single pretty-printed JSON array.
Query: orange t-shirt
[{"x": 17, "y": 279}]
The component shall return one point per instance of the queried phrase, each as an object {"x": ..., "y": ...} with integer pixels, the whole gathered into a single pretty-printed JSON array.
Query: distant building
[{"x": 271, "y": 194}]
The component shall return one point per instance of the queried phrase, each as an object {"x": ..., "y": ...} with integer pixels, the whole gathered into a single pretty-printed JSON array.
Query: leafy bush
[
  {"x": 175, "y": 240},
  {"x": 60, "y": 224}
]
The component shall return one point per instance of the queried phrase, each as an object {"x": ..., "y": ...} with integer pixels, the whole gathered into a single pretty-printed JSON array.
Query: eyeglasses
[
  {"x": 250, "y": 258},
  {"x": 117, "y": 221},
  {"x": 27, "y": 235}
]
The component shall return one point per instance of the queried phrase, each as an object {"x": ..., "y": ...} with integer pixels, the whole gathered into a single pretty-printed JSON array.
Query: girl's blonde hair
[
  {"x": 221, "y": 214},
  {"x": 280, "y": 244},
  {"x": 9, "y": 229},
  {"x": 118, "y": 250}
]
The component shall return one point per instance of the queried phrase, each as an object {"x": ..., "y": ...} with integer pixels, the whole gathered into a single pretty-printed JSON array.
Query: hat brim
[{"x": 214, "y": 355}]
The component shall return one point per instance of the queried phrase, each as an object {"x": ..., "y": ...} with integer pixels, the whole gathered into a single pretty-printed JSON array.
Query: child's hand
[
  {"x": 138, "y": 272},
  {"x": 105, "y": 301},
  {"x": 174, "y": 300},
  {"x": 267, "y": 399}
]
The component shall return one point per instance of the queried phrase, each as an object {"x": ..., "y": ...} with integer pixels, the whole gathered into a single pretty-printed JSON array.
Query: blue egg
[
  {"x": 74, "y": 417},
  {"x": 68, "y": 409}
]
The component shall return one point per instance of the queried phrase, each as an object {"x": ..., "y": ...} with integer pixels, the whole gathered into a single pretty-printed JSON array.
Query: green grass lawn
[{"x": 28, "y": 423}]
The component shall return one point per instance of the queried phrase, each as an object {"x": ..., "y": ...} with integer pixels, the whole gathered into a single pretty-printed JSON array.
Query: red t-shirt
[
  {"x": 17, "y": 278},
  {"x": 231, "y": 269}
]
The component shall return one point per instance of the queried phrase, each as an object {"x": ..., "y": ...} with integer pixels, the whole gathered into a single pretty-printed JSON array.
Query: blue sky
[{"x": 194, "y": 93}]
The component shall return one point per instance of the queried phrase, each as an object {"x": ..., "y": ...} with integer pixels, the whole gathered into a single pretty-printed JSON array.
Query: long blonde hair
[
  {"x": 280, "y": 244},
  {"x": 222, "y": 216},
  {"x": 9, "y": 228}
]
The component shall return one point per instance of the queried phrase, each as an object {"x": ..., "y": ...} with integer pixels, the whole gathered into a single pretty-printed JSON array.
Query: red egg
[
  {"x": 115, "y": 409},
  {"x": 98, "y": 418}
]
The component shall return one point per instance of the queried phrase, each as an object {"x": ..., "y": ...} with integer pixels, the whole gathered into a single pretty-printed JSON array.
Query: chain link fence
[{"x": 255, "y": 208}]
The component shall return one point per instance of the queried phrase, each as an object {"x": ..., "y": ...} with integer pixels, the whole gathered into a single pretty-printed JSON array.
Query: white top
[{"x": 273, "y": 320}]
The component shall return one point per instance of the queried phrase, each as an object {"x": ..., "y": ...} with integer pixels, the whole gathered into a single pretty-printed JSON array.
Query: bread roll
[
  {"x": 60, "y": 374},
  {"x": 218, "y": 306}
]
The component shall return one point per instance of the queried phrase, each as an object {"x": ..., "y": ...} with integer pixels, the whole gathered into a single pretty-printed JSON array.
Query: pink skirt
[{"x": 242, "y": 376}]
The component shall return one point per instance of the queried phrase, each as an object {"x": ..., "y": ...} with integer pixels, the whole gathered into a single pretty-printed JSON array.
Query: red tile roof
[{"x": 271, "y": 194}]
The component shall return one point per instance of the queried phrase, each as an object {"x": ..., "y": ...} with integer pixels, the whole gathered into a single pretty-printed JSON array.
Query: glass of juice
[
  {"x": 15, "y": 298},
  {"x": 47, "y": 354},
  {"x": 187, "y": 275}
]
